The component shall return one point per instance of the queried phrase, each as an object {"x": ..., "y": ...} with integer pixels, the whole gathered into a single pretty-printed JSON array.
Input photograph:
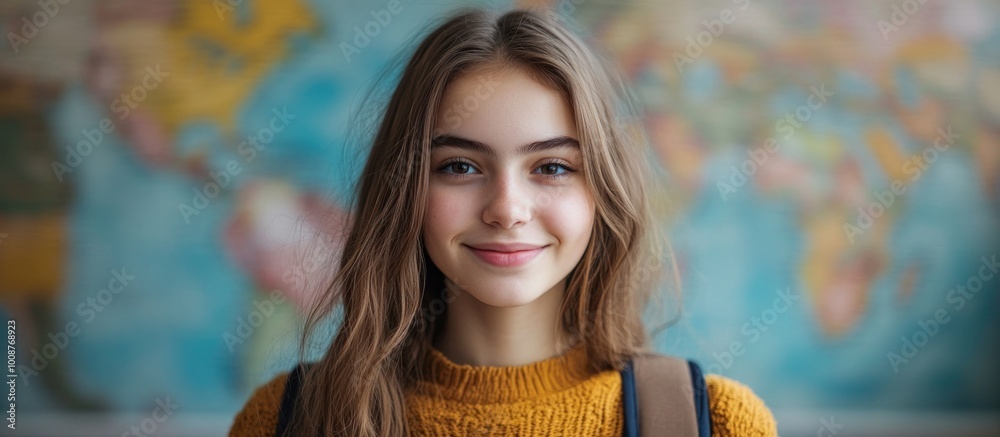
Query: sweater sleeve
[
  {"x": 736, "y": 411},
  {"x": 259, "y": 416}
]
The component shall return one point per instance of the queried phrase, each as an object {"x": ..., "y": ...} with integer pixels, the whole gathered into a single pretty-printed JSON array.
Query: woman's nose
[{"x": 509, "y": 202}]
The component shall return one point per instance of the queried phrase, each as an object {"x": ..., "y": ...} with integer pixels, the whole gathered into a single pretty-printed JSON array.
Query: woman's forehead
[{"x": 505, "y": 109}]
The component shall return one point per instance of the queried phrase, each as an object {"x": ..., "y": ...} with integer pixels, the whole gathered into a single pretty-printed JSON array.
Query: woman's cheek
[
  {"x": 446, "y": 213},
  {"x": 571, "y": 213}
]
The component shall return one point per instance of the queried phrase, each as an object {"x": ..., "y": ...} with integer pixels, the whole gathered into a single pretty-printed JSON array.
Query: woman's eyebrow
[{"x": 476, "y": 146}]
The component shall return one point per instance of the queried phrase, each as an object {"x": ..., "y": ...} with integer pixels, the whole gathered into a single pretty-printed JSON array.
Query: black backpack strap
[
  {"x": 700, "y": 400},
  {"x": 629, "y": 399},
  {"x": 288, "y": 397}
]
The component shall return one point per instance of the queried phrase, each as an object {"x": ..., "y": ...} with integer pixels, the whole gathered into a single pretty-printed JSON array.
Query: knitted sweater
[{"x": 555, "y": 396}]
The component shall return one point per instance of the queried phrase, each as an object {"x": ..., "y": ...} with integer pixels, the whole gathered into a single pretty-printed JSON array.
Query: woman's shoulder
[
  {"x": 259, "y": 415},
  {"x": 736, "y": 410}
]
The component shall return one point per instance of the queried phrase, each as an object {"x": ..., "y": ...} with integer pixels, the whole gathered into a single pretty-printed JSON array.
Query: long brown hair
[{"x": 389, "y": 289}]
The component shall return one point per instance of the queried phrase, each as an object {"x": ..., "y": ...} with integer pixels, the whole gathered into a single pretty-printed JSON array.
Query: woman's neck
[{"x": 482, "y": 335}]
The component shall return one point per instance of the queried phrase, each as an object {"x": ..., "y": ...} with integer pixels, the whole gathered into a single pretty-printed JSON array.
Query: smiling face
[{"x": 506, "y": 168}]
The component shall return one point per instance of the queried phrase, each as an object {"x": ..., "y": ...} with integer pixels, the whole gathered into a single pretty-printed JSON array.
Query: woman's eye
[
  {"x": 458, "y": 167},
  {"x": 464, "y": 168},
  {"x": 552, "y": 169}
]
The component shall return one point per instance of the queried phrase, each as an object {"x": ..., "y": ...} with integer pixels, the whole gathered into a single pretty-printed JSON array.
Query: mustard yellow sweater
[{"x": 550, "y": 397}]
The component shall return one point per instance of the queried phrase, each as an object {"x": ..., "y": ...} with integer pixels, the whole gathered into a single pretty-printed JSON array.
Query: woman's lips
[{"x": 506, "y": 259}]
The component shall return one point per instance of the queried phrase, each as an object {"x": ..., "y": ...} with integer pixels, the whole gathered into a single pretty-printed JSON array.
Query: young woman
[{"x": 501, "y": 254}]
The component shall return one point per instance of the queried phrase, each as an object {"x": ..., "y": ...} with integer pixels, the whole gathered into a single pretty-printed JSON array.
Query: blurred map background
[{"x": 834, "y": 172}]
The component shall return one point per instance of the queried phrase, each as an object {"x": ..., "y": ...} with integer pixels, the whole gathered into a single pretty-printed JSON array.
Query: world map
[{"x": 832, "y": 174}]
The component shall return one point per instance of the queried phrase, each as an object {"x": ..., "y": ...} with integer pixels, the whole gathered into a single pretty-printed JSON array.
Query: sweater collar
[{"x": 492, "y": 384}]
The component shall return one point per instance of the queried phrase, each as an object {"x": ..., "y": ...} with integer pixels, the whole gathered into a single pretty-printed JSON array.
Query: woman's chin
[{"x": 505, "y": 298}]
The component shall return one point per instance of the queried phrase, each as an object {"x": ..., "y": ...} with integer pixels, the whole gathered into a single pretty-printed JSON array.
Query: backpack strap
[
  {"x": 288, "y": 397},
  {"x": 664, "y": 395},
  {"x": 628, "y": 399},
  {"x": 700, "y": 399}
]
